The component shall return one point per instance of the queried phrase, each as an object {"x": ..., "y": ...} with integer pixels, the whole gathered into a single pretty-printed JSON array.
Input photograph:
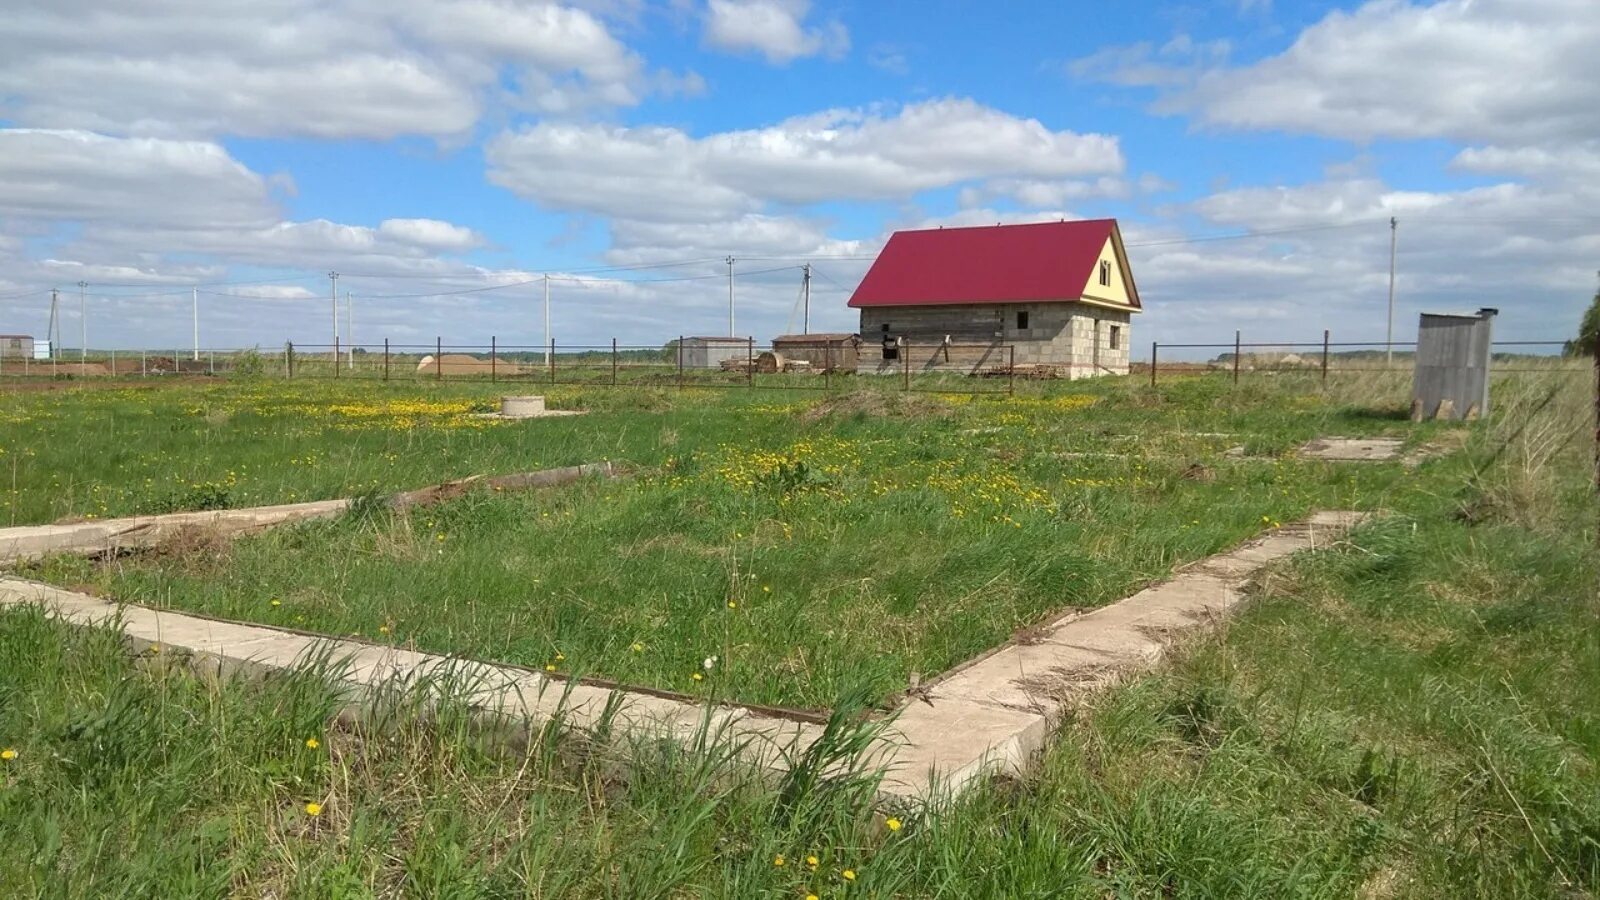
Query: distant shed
[
  {"x": 16, "y": 346},
  {"x": 1452, "y": 371},
  {"x": 712, "y": 352},
  {"x": 837, "y": 351}
]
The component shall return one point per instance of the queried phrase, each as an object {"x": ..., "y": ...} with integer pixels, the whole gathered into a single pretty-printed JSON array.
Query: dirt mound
[
  {"x": 874, "y": 404},
  {"x": 462, "y": 364}
]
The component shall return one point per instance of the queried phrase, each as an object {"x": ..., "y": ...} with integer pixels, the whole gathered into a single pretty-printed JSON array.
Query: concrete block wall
[{"x": 1075, "y": 338}]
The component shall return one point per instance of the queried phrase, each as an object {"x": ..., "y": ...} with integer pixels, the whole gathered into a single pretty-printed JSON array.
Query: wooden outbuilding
[{"x": 833, "y": 351}]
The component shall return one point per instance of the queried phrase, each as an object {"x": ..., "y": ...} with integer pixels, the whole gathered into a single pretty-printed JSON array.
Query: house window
[
  {"x": 1022, "y": 320},
  {"x": 1105, "y": 272},
  {"x": 1116, "y": 337},
  {"x": 891, "y": 349}
]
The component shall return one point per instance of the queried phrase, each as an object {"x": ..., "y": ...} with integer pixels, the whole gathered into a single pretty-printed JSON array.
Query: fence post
[
  {"x": 1596, "y": 351},
  {"x": 905, "y": 361},
  {"x": 113, "y": 360},
  {"x": 494, "y": 375},
  {"x": 385, "y": 359},
  {"x": 1236, "y": 357},
  {"x": 438, "y": 358},
  {"x": 750, "y": 361},
  {"x": 211, "y": 361},
  {"x": 1324, "y": 357},
  {"x": 336, "y": 357},
  {"x": 142, "y": 371},
  {"x": 552, "y": 360},
  {"x": 827, "y": 365},
  {"x": 1153, "y": 346},
  {"x": 613, "y": 362},
  {"x": 680, "y": 362},
  {"x": 1011, "y": 371},
  {"x": 288, "y": 358}
]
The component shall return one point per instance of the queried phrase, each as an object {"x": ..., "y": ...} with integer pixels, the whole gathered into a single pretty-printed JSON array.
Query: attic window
[
  {"x": 1105, "y": 272},
  {"x": 1022, "y": 320}
]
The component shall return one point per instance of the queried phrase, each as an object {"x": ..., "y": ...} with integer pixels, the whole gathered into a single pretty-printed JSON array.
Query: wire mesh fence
[{"x": 1328, "y": 359}]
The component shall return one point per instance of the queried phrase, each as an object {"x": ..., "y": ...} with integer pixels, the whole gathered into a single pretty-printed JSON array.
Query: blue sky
[{"x": 443, "y": 146}]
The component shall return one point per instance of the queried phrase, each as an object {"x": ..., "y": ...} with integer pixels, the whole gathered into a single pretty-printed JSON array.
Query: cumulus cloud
[
  {"x": 142, "y": 182},
  {"x": 773, "y": 28},
  {"x": 102, "y": 208},
  {"x": 345, "y": 68},
  {"x": 1514, "y": 72},
  {"x": 1322, "y": 259},
  {"x": 664, "y": 174}
]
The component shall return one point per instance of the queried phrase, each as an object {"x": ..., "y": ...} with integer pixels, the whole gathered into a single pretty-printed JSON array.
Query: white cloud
[
  {"x": 1524, "y": 248},
  {"x": 664, "y": 174},
  {"x": 430, "y": 233},
  {"x": 140, "y": 182},
  {"x": 888, "y": 58},
  {"x": 152, "y": 210},
  {"x": 344, "y": 68},
  {"x": 1515, "y": 72},
  {"x": 773, "y": 28}
]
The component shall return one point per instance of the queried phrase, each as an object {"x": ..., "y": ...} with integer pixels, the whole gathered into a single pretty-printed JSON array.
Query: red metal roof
[{"x": 987, "y": 264}]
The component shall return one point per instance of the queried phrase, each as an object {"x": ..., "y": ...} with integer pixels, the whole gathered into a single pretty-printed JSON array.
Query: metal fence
[
  {"x": 687, "y": 362},
  {"x": 1327, "y": 358}
]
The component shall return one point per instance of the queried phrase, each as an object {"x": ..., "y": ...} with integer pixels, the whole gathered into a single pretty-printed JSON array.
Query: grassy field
[
  {"x": 813, "y": 546},
  {"x": 1410, "y": 714}
]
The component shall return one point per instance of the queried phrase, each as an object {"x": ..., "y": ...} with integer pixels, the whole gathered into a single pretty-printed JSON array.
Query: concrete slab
[{"x": 1348, "y": 449}]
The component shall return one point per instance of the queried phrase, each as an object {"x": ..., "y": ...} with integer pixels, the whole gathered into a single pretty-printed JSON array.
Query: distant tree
[{"x": 1588, "y": 329}]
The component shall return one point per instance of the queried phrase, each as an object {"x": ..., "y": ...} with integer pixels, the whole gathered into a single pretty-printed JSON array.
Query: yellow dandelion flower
[
  {"x": 812, "y": 861},
  {"x": 274, "y": 602},
  {"x": 560, "y": 656},
  {"x": 383, "y": 629},
  {"x": 766, "y": 589},
  {"x": 812, "y": 897},
  {"x": 698, "y": 677},
  {"x": 637, "y": 647},
  {"x": 312, "y": 743},
  {"x": 893, "y": 823},
  {"x": 313, "y": 809},
  {"x": 550, "y": 667},
  {"x": 778, "y": 860},
  {"x": 8, "y": 754},
  {"x": 733, "y": 604},
  {"x": 849, "y": 874}
]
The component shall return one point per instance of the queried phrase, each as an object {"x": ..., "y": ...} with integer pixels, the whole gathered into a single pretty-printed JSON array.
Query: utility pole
[
  {"x": 333, "y": 295},
  {"x": 83, "y": 324},
  {"x": 731, "y": 332},
  {"x": 805, "y": 303},
  {"x": 547, "y": 343},
  {"x": 349, "y": 328},
  {"x": 54, "y": 331},
  {"x": 1389, "y": 335},
  {"x": 194, "y": 300}
]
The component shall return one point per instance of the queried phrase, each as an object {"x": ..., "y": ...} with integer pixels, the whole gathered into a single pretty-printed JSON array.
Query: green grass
[
  {"x": 1375, "y": 725},
  {"x": 1408, "y": 714},
  {"x": 812, "y": 550}
]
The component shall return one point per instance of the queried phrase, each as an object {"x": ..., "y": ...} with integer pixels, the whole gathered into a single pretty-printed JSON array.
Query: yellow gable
[{"x": 1113, "y": 291}]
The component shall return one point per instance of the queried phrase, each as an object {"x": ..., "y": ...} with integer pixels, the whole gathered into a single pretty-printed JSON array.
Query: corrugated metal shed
[{"x": 1452, "y": 371}]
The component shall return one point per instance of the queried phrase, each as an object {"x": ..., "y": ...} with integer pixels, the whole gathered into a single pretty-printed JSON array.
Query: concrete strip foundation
[
  {"x": 96, "y": 537},
  {"x": 990, "y": 715}
]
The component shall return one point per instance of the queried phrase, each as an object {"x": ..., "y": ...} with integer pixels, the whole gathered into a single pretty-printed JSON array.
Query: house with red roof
[{"x": 1058, "y": 295}]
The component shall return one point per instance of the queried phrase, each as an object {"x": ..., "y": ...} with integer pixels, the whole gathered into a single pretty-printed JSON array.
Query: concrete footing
[
  {"x": 990, "y": 715},
  {"x": 96, "y": 537}
]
